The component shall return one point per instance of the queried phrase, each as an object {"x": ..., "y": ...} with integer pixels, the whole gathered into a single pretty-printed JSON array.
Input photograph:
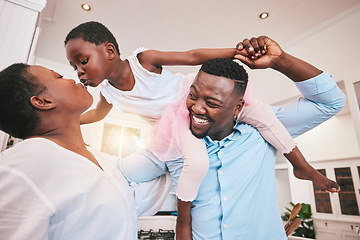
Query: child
[{"x": 139, "y": 85}]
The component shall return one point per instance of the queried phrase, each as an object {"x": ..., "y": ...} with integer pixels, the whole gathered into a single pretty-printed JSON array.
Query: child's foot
[{"x": 318, "y": 179}]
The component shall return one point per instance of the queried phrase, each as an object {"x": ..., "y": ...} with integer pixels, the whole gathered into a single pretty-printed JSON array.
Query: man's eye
[
  {"x": 192, "y": 95},
  {"x": 213, "y": 105}
]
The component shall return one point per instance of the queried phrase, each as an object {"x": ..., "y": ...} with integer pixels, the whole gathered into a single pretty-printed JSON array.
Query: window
[
  {"x": 322, "y": 198},
  {"x": 121, "y": 140}
]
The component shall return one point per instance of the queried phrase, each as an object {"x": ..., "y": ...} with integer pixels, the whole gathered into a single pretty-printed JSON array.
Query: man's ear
[
  {"x": 239, "y": 107},
  {"x": 110, "y": 51},
  {"x": 42, "y": 103}
]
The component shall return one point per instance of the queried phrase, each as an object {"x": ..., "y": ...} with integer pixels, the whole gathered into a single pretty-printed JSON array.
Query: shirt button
[
  {"x": 221, "y": 173},
  {"x": 225, "y": 226},
  {"x": 225, "y": 198}
]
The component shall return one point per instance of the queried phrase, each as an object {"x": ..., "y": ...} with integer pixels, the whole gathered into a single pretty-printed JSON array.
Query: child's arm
[
  {"x": 98, "y": 113},
  {"x": 153, "y": 59}
]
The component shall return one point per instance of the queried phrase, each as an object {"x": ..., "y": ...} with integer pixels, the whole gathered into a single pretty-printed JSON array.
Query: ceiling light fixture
[
  {"x": 264, "y": 15},
  {"x": 86, "y": 7}
]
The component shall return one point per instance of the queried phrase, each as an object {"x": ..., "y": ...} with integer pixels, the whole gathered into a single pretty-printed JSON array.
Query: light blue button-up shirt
[{"x": 238, "y": 197}]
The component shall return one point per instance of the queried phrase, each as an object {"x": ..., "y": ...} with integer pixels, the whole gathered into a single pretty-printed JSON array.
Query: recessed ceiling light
[
  {"x": 86, "y": 7},
  {"x": 264, "y": 15}
]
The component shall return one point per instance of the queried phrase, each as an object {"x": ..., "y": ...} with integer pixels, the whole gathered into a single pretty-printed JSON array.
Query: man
[
  {"x": 238, "y": 198},
  {"x": 51, "y": 185}
]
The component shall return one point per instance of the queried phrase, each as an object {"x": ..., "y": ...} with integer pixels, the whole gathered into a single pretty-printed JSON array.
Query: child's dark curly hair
[
  {"x": 225, "y": 67},
  {"x": 18, "y": 117},
  {"x": 93, "y": 32}
]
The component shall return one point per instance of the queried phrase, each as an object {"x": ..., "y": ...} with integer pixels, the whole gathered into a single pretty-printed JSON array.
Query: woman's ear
[
  {"x": 42, "y": 103},
  {"x": 110, "y": 51}
]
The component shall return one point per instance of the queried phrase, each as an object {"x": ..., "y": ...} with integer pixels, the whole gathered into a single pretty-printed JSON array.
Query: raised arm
[
  {"x": 153, "y": 58},
  {"x": 263, "y": 52},
  {"x": 98, "y": 113},
  {"x": 321, "y": 99}
]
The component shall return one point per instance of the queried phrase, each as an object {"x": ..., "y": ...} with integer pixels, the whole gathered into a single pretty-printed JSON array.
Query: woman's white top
[{"x": 49, "y": 192}]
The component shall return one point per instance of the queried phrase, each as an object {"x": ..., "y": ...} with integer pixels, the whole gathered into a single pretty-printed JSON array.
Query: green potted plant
[{"x": 306, "y": 228}]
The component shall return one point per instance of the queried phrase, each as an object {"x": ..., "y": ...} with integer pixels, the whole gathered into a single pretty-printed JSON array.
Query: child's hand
[{"x": 262, "y": 52}]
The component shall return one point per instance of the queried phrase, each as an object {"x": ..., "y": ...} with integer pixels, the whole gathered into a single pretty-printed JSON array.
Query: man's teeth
[{"x": 199, "y": 120}]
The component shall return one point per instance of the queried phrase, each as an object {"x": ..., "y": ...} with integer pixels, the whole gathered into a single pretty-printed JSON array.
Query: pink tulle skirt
[{"x": 168, "y": 133}]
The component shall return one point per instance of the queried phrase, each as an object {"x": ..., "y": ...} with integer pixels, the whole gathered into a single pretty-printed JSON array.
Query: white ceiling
[
  {"x": 184, "y": 24},
  {"x": 188, "y": 24}
]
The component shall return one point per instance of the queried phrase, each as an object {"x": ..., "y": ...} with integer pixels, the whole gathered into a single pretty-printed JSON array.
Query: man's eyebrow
[
  {"x": 215, "y": 99},
  {"x": 208, "y": 98}
]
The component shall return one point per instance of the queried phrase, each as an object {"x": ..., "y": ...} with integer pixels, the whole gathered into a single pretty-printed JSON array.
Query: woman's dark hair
[
  {"x": 225, "y": 67},
  {"x": 93, "y": 32},
  {"x": 18, "y": 117}
]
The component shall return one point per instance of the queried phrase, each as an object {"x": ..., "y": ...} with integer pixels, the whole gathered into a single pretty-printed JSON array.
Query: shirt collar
[{"x": 233, "y": 136}]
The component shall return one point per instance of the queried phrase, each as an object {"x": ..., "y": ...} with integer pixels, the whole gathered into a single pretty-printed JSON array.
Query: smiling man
[
  {"x": 238, "y": 197},
  {"x": 213, "y": 99}
]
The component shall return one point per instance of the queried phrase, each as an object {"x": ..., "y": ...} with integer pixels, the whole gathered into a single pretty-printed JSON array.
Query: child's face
[{"x": 89, "y": 60}]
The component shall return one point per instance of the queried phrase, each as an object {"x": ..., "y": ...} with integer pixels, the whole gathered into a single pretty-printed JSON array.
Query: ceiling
[{"x": 185, "y": 24}]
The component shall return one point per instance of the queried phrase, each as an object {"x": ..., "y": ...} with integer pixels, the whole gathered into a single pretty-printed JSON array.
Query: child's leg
[
  {"x": 141, "y": 166},
  {"x": 261, "y": 116},
  {"x": 196, "y": 165},
  {"x": 303, "y": 170}
]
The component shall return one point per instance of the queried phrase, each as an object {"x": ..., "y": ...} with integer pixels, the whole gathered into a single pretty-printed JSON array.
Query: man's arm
[
  {"x": 322, "y": 98},
  {"x": 263, "y": 52}
]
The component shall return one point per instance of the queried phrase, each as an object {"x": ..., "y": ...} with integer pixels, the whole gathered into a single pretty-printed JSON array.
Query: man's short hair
[
  {"x": 18, "y": 117},
  {"x": 225, "y": 67},
  {"x": 93, "y": 32}
]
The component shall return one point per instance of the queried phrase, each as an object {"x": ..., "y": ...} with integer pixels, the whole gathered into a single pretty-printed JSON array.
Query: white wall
[{"x": 18, "y": 20}]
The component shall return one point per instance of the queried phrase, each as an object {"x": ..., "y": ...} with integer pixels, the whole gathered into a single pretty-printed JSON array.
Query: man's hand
[{"x": 262, "y": 52}]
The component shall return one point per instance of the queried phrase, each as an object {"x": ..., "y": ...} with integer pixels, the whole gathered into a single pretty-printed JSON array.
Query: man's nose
[{"x": 198, "y": 108}]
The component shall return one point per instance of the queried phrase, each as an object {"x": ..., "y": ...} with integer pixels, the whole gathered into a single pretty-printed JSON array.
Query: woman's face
[{"x": 65, "y": 93}]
